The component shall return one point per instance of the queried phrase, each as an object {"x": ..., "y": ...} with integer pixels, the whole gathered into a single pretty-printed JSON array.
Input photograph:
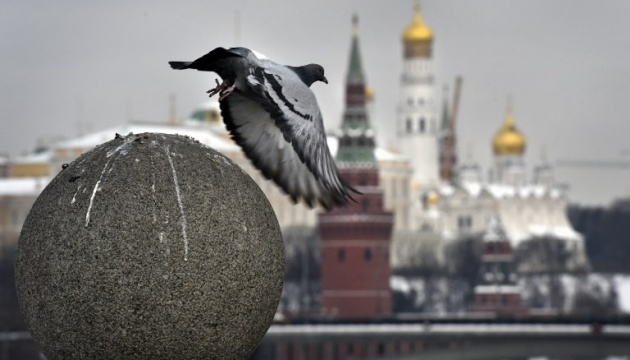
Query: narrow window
[
  {"x": 381, "y": 349},
  {"x": 367, "y": 254}
]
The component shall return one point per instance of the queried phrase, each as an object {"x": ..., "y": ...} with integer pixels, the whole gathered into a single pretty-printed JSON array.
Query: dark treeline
[{"x": 606, "y": 234}]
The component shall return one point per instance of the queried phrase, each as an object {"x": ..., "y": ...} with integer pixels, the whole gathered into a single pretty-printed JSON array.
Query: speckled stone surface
[{"x": 150, "y": 246}]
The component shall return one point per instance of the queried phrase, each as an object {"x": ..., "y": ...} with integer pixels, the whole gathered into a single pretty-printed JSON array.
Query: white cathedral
[
  {"x": 429, "y": 213},
  {"x": 441, "y": 212}
]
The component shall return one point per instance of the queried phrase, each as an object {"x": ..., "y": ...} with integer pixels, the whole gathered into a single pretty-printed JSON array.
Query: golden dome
[
  {"x": 417, "y": 31},
  {"x": 369, "y": 93},
  {"x": 433, "y": 198},
  {"x": 508, "y": 140}
]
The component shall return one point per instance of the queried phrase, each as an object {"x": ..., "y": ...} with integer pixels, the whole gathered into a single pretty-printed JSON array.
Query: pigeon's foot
[
  {"x": 226, "y": 92},
  {"x": 217, "y": 90}
]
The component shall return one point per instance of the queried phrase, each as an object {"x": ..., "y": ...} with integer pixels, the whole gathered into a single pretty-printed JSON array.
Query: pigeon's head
[{"x": 312, "y": 73}]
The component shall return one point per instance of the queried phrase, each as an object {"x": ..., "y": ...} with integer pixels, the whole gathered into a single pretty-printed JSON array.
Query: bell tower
[{"x": 417, "y": 123}]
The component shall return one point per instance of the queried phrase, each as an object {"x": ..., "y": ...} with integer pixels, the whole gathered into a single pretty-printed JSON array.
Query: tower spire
[
  {"x": 355, "y": 68},
  {"x": 356, "y": 144},
  {"x": 509, "y": 119}
]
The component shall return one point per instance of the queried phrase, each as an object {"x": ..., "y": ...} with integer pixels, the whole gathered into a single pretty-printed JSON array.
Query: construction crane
[{"x": 447, "y": 166}]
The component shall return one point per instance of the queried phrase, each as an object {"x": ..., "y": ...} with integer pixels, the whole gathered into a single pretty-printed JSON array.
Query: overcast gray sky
[{"x": 564, "y": 62}]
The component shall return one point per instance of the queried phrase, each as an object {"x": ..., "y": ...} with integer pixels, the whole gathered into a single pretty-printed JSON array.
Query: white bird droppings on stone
[
  {"x": 179, "y": 202},
  {"x": 87, "y": 214},
  {"x": 225, "y": 161},
  {"x": 74, "y": 197},
  {"x": 123, "y": 148}
]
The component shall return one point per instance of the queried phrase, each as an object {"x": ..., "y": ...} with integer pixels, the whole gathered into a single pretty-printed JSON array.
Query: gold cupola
[
  {"x": 433, "y": 198},
  {"x": 508, "y": 140},
  {"x": 417, "y": 37},
  {"x": 369, "y": 93}
]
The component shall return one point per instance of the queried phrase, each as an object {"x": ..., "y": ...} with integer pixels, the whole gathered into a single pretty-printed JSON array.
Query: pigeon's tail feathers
[
  {"x": 180, "y": 65},
  {"x": 215, "y": 61}
]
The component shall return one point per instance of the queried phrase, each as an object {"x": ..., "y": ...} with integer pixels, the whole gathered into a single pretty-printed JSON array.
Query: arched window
[
  {"x": 409, "y": 125},
  {"x": 367, "y": 254},
  {"x": 421, "y": 125}
]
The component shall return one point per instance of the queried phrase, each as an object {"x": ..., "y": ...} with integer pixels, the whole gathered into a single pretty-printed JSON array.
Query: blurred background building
[
  {"x": 434, "y": 201},
  {"x": 432, "y": 235}
]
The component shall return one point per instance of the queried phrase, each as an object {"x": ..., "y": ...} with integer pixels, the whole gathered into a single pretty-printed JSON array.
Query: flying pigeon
[{"x": 273, "y": 115}]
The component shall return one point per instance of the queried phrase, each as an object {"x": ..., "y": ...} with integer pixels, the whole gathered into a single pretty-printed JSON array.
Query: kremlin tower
[
  {"x": 355, "y": 239},
  {"x": 497, "y": 292},
  {"x": 417, "y": 124}
]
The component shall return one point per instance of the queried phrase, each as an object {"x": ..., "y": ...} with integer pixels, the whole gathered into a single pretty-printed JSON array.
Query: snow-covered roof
[
  {"x": 536, "y": 230},
  {"x": 34, "y": 158},
  {"x": 202, "y": 135},
  {"x": 388, "y": 155},
  {"x": 381, "y": 154},
  {"x": 495, "y": 231},
  {"x": 22, "y": 186},
  {"x": 562, "y": 232},
  {"x": 503, "y": 191},
  {"x": 497, "y": 289}
]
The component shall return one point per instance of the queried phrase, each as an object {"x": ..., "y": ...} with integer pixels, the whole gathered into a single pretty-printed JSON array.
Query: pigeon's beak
[{"x": 324, "y": 79}]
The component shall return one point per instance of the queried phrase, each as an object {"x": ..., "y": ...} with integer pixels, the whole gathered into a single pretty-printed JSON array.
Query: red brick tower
[
  {"x": 497, "y": 292},
  {"x": 355, "y": 239}
]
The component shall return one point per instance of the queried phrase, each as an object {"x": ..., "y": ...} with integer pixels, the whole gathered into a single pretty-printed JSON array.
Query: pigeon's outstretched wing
[
  {"x": 273, "y": 115},
  {"x": 291, "y": 152}
]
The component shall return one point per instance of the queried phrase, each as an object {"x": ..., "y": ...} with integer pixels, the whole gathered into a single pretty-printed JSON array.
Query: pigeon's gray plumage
[{"x": 273, "y": 115}]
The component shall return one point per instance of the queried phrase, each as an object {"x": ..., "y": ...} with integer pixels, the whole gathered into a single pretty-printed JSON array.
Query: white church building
[{"x": 442, "y": 212}]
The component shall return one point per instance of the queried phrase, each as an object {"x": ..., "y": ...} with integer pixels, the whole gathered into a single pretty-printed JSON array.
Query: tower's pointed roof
[
  {"x": 355, "y": 67},
  {"x": 356, "y": 143}
]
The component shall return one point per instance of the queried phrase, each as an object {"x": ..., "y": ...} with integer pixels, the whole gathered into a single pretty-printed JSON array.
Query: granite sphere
[{"x": 150, "y": 246}]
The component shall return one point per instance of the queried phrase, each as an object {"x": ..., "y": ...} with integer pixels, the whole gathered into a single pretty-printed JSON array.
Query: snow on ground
[
  {"x": 622, "y": 284},
  {"x": 441, "y": 294}
]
